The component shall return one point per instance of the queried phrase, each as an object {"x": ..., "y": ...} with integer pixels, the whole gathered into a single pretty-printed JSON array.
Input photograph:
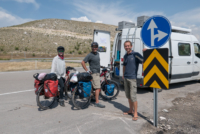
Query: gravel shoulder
[{"x": 182, "y": 118}]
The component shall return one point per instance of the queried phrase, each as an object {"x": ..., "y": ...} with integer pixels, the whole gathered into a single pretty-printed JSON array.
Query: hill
[{"x": 40, "y": 38}]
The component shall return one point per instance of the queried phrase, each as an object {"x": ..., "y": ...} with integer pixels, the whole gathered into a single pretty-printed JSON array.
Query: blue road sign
[{"x": 156, "y": 31}]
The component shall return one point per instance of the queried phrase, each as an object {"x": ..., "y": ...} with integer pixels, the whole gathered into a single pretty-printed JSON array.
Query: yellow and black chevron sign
[{"x": 156, "y": 68}]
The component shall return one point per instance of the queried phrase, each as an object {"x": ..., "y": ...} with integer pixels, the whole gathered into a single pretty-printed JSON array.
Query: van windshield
[{"x": 197, "y": 49}]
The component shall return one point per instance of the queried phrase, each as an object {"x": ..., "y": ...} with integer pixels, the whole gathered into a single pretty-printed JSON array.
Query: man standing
[
  {"x": 94, "y": 64},
  {"x": 130, "y": 67},
  {"x": 58, "y": 67}
]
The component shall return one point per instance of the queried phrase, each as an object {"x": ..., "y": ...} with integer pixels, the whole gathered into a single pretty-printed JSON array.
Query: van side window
[
  {"x": 197, "y": 49},
  {"x": 184, "y": 49}
]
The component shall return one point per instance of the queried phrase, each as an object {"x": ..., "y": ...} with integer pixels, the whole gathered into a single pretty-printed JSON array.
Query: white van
[{"x": 184, "y": 53}]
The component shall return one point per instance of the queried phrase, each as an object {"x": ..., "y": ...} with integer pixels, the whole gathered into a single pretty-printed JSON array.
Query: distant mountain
[{"x": 42, "y": 37}]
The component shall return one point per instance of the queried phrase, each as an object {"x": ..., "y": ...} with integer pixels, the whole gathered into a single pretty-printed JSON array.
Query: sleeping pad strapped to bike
[
  {"x": 84, "y": 85},
  {"x": 50, "y": 84}
]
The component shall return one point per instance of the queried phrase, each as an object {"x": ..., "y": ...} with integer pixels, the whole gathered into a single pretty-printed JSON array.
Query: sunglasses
[
  {"x": 61, "y": 51},
  {"x": 95, "y": 47}
]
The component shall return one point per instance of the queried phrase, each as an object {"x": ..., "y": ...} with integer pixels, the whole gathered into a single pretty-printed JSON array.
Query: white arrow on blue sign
[{"x": 156, "y": 31}]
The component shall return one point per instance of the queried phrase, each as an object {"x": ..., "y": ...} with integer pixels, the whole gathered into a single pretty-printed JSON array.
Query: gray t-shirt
[{"x": 94, "y": 62}]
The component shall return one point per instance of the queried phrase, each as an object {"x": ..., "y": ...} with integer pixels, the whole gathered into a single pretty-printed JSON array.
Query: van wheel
[{"x": 159, "y": 90}]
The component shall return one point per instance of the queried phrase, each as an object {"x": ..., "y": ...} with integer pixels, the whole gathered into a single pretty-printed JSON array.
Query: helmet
[
  {"x": 94, "y": 44},
  {"x": 61, "y": 48}
]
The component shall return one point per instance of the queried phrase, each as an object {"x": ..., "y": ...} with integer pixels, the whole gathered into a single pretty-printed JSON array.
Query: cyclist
[
  {"x": 58, "y": 67},
  {"x": 94, "y": 64}
]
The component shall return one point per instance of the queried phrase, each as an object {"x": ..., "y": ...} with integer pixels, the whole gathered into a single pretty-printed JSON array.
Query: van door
[
  {"x": 196, "y": 61},
  {"x": 182, "y": 66},
  {"x": 103, "y": 39}
]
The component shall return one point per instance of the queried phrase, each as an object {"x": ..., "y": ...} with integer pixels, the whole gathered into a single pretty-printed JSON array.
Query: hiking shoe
[
  {"x": 99, "y": 105},
  {"x": 62, "y": 103}
]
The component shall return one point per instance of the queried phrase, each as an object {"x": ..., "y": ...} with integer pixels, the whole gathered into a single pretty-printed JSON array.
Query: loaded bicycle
[
  {"x": 81, "y": 98},
  {"x": 44, "y": 101}
]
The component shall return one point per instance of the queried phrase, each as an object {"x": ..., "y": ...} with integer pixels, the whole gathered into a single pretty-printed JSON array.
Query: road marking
[
  {"x": 17, "y": 92},
  {"x": 78, "y": 129}
]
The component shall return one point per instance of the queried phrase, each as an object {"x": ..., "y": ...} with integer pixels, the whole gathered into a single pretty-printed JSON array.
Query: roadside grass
[{"x": 30, "y": 65}]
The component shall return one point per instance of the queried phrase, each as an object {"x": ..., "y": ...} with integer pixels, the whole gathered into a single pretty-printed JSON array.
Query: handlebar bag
[
  {"x": 84, "y": 89},
  {"x": 84, "y": 77},
  {"x": 109, "y": 89},
  {"x": 51, "y": 88}
]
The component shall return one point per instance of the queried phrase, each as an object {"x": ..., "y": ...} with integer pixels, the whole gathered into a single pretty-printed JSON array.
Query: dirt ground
[
  {"x": 30, "y": 65},
  {"x": 182, "y": 118}
]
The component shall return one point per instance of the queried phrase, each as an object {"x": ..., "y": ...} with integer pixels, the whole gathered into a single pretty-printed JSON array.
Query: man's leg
[
  {"x": 127, "y": 92},
  {"x": 61, "y": 83},
  {"x": 97, "y": 95},
  {"x": 133, "y": 87},
  {"x": 135, "y": 110},
  {"x": 96, "y": 85}
]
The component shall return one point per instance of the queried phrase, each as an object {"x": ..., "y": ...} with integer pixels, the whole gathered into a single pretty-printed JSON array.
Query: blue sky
[{"x": 183, "y": 13}]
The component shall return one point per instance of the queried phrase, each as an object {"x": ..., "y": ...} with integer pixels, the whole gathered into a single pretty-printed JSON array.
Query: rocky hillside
[{"x": 41, "y": 37}]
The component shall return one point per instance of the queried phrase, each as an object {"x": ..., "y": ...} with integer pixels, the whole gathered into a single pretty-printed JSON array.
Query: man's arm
[
  {"x": 53, "y": 66},
  {"x": 84, "y": 66},
  {"x": 139, "y": 58},
  {"x": 124, "y": 67}
]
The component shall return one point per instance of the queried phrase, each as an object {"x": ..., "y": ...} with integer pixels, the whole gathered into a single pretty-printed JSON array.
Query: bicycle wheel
[
  {"x": 42, "y": 101},
  {"x": 103, "y": 94},
  {"x": 80, "y": 102},
  {"x": 68, "y": 92}
]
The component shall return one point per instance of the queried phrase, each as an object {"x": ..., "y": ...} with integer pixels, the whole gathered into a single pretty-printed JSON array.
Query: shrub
[
  {"x": 79, "y": 52},
  {"x": 33, "y": 55},
  {"x": 26, "y": 48},
  {"x": 16, "y": 48}
]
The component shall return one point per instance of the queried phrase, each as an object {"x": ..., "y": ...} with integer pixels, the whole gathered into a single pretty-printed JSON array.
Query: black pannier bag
[
  {"x": 51, "y": 76},
  {"x": 85, "y": 77}
]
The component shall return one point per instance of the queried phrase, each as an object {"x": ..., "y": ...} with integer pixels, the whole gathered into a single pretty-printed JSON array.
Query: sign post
[
  {"x": 155, "y": 33},
  {"x": 155, "y": 107}
]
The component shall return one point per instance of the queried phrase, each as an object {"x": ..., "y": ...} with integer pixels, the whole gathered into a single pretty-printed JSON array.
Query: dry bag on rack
[{"x": 84, "y": 77}]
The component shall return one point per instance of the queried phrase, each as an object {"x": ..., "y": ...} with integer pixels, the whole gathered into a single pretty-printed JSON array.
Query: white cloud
[
  {"x": 99, "y": 21},
  {"x": 111, "y": 13},
  {"x": 188, "y": 19},
  {"x": 7, "y": 19},
  {"x": 84, "y": 18},
  {"x": 29, "y": 1}
]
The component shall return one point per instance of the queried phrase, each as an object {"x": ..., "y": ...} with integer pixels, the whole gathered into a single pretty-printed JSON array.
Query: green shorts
[{"x": 130, "y": 87}]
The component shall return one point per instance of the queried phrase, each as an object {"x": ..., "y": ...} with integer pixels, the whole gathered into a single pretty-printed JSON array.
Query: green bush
[
  {"x": 1, "y": 49},
  {"x": 85, "y": 51},
  {"x": 33, "y": 55},
  {"x": 16, "y": 48},
  {"x": 26, "y": 48},
  {"x": 79, "y": 52},
  {"x": 70, "y": 52}
]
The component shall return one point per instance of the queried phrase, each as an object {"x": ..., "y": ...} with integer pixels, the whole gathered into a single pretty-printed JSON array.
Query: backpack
[{"x": 51, "y": 88}]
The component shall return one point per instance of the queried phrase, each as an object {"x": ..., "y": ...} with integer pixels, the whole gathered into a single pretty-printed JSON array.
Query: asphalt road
[{"x": 20, "y": 114}]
